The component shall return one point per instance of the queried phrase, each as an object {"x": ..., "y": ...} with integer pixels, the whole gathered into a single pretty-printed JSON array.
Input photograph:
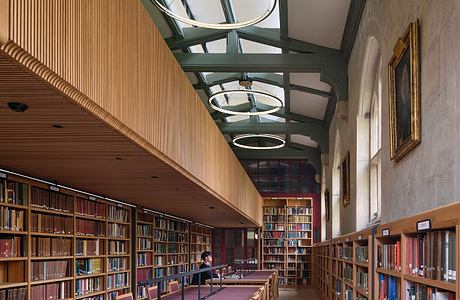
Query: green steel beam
[
  {"x": 355, "y": 13},
  {"x": 333, "y": 71},
  {"x": 330, "y": 110},
  {"x": 195, "y": 36}
]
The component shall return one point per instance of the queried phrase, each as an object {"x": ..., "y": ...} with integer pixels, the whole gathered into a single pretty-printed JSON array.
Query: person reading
[{"x": 206, "y": 257}]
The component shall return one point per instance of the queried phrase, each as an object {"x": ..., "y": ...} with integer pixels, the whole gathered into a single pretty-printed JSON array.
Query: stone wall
[{"x": 428, "y": 176}]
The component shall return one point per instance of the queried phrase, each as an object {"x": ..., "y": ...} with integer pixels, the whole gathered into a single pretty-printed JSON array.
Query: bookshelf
[
  {"x": 66, "y": 250},
  {"x": 200, "y": 241},
  {"x": 287, "y": 239},
  {"x": 344, "y": 267},
  {"x": 162, "y": 248}
]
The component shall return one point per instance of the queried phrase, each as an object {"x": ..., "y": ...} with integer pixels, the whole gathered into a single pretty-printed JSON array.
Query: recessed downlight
[
  {"x": 154, "y": 177},
  {"x": 212, "y": 207},
  {"x": 57, "y": 126},
  {"x": 18, "y": 107},
  {"x": 118, "y": 158}
]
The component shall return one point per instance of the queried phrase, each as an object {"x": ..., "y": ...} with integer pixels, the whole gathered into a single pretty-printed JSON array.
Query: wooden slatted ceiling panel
[{"x": 107, "y": 56}]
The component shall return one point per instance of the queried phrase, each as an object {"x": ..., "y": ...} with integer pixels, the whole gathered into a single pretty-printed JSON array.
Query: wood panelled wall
[{"x": 108, "y": 56}]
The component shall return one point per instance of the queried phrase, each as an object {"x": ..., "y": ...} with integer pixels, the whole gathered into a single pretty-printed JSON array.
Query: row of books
[
  {"x": 297, "y": 243},
  {"x": 274, "y": 243},
  {"x": 160, "y": 235},
  {"x": 89, "y": 266},
  {"x": 12, "y": 247},
  {"x": 432, "y": 255},
  {"x": 90, "y": 228},
  {"x": 177, "y": 259},
  {"x": 389, "y": 287},
  {"x": 199, "y": 248},
  {"x": 274, "y": 219},
  {"x": 274, "y": 235},
  {"x": 51, "y": 200},
  {"x": 16, "y": 193},
  {"x": 11, "y": 219},
  {"x": 271, "y": 258},
  {"x": 44, "y": 246},
  {"x": 177, "y": 226},
  {"x": 298, "y": 235},
  {"x": 299, "y": 210},
  {"x": 88, "y": 285},
  {"x": 274, "y": 211},
  {"x": 14, "y": 294},
  {"x": 199, "y": 239},
  {"x": 115, "y": 264},
  {"x": 160, "y": 260},
  {"x": 144, "y": 244},
  {"x": 90, "y": 208},
  {"x": 299, "y": 227},
  {"x": 416, "y": 291},
  {"x": 58, "y": 290},
  {"x": 89, "y": 247},
  {"x": 118, "y": 214},
  {"x": 345, "y": 252},
  {"x": 274, "y": 226},
  {"x": 274, "y": 250},
  {"x": 46, "y": 270},
  {"x": 116, "y": 230},
  {"x": 144, "y": 230},
  {"x": 117, "y": 280},
  {"x": 299, "y": 219},
  {"x": 362, "y": 254},
  {"x": 45, "y": 223},
  {"x": 160, "y": 248},
  {"x": 389, "y": 256},
  {"x": 177, "y": 237},
  {"x": 117, "y": 247},
  {"x": 347, "y": 273},
  {"x": 197, "y": 229},
  {"x": 144, "y": 259},
  {"x": 362, "y": 280},
  {"x": 144, "y": 274}
]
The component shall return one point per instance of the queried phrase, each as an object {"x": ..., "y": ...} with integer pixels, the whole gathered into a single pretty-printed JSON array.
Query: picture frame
[
  {"x": 327, "y": 205},
  {"x": 404, "y": 94},
  {"x": 345, "y": 179}
]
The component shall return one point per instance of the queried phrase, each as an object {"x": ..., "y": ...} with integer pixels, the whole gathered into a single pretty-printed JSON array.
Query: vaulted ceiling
[{"x": 299, "y": 54}]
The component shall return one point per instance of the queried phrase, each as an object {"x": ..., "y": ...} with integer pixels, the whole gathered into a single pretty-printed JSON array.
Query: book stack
[
  {"x": 144, "y": 259},
  {"x": 144, "y": 230},
  {"x": 117, "y": 248},
  {"x": 89, "y": 266},
  {"x": 47, "y": 223},
  {"x": 389, "y": 287},
  {"x": 90, "y": 208},
  {"x": 349, "y": 294},
  {"x": 11, "y": 219},
  {"x": 432, "y": 255},
  {"x": 417, "y": 291},
  {"x": 89, "y": 228},
  {"x": 362, "y": 254},
  {"x": 118, "y": 231},
  {"x": 88, "y": 285},
  {"x": 46, "y": 270},
  {"x": 274, "y": 235},
  {"x": 348, "y": 273},
  {"x": 14, "y": 294},
  {"x": 16, "y": 193},
  {"x": 116, "y": 264},
  {"x": 44, "y": 246},
  {"x": 117, "y": 280},
  {"x": 57, "y": 290},
  {"x": 362, "y": 280},
  {"x": 118, "y": 214},
  {"x": 389, "y": 256},
  {"x": 89, "y": 247},
  {"x": 12, "y": 247},
  {"x": 347, "y": 253},
  {"x": 51, "y": 200}
]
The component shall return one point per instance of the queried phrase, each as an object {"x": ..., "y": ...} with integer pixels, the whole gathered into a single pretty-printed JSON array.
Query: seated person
[{"x": 206, "y": 257}]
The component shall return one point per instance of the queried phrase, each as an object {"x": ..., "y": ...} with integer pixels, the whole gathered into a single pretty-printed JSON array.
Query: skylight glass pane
[
  {"x": 233, "y": 119},
  {"x": 271, "y": 118},
  {"x": 209, "y": 11},
  {"x": 253, "y": 47},
  {"x": 245, "y": 10},
  {"x": 270, "y": 89},
  {"x": 218, "y": 46},
  {"x": 196, "y": 49},
  {"x": 179, "y": 9}
]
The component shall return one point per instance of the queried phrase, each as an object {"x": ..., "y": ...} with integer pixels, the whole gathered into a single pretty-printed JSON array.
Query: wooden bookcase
[
  {"x": 200, "y": 241},
  {"x": 287, "y": 239},
  {"x": 162, "y": 248},
  {"x": 53, "y": 216}
]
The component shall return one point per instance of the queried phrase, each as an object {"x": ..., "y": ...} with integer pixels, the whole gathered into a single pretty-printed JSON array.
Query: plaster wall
[{"x": 429, "y": 175}]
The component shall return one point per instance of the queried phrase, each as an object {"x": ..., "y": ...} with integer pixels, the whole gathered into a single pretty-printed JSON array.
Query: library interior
[{"x": 229, "y": 149}]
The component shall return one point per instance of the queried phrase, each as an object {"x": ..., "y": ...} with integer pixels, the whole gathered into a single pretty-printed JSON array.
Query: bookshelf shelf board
[
  {"x": 51, "y": 234},
  {"x": 12, "y": 258},
  {"x": 144, "y": 236},
  {"x": 165, "y": 242},
  {"x": 388, "y": 272},
  {"x": 51, "y": 257},
  {"x": 118, "y": 255},
  {"x": 51, "y": 211},
  {"x": 160, "y": 266},
  {"x": 97, "y": 293},
  {"x": 12, "y": 205},
  {"x": 161, "y": 254},
  {"x": 362, "y": 264},
  {"x": 143, "y": 250},
  {"x": 145, "y": 267},
  {"x": 118, "y": 288},
  {"x": 13, "y": 232},
  {"x": 51, "y": 280},
  {"x": 117, "y": 272},
  {"x": 434, "y": 283},
  {"x": 145, "y": 223},
  {"x": 92, "y": 218},
  {"x": 10, "y": 285},
  {"x": 89, "y": 256},
  {"x": 82, "y": 236},
  {"x": 118, "y": 239},
  {"x": 362, "y": 291},
  {"x": 118, "y": 222},
  {"x": 89, "y": 275}
]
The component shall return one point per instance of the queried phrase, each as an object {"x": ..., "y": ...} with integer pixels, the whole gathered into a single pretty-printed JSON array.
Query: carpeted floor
[{"x": 297, "y": 294}]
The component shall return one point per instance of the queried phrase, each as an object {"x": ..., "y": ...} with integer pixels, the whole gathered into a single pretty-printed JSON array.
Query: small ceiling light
[
  {"x": 18, "y": 107},
  {"x": 211, "y": 207},
  {"x": 154, "y": 177},
  {"x": 276, "y": 107},
  {"x": 223, "y": 26},
  {"x": 58, "y": 126},
  {"x": 247, "y": 83},
  {"x": 281, "y": 142},
  {"x": 118, "y": 158}
]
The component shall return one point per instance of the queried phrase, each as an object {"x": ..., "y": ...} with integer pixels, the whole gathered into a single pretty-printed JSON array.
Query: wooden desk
[{"x": 227, "y": 292}]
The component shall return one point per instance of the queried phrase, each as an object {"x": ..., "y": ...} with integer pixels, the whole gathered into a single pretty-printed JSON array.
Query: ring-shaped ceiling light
[
  {"x": 224, "y": 26},
  {"x": 268, "y": 136},
  {"x": 278, "y": 106}
]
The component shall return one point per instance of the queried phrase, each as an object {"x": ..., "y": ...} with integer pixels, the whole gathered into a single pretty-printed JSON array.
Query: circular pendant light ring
[
  {"x": 224, "y": 26},
  {"x": 268, "y": 136},
  {"x": 277, "y": 107}
]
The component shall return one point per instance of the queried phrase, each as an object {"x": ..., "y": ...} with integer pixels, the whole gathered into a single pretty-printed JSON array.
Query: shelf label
[
  {"x": 119, "y": 205},
  {"x": 54, "y": 188},
  {"x": 360, "y": 237},
  {"x": 2, "y": 175},
  {"x": 424, "y": 225},
  {"x": 386, "y": 232},
  {"x": 92, "y": 198}
]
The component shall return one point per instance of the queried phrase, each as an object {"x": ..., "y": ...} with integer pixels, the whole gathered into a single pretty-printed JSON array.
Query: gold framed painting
[
  {"x": 327, "y": 205},
  {"x": 345, "y": 179},
  {"x": 404, "y": 94}
]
